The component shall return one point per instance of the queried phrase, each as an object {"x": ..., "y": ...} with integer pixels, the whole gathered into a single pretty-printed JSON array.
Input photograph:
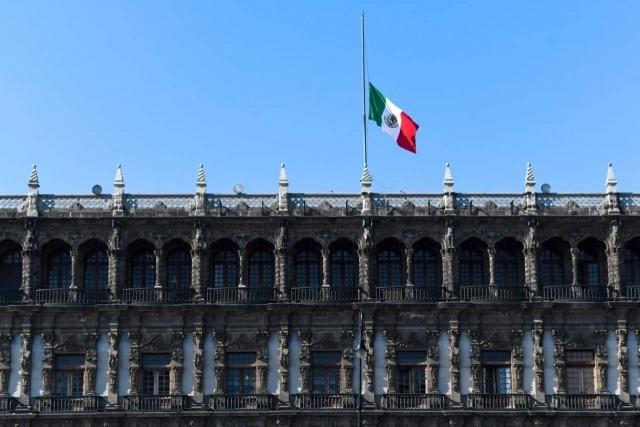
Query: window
[
  {"x": 580, "y": 371},
  {"x": 59, "y": 270},
  {"x": 155, "y": 374},
  {"x": 588, "y": 268},
  {"x": 507, "y": 268},
  {"x": 69, "y": 373},
  {"x": 343, "y": 269},
  {"x": 632, "y": 266},
  {"x": 225, "y": 269},
  {"x": 143, "y": 269},
  {"x": 96, "y": 270},
  {"x": 471, "y": 268},
  {"x": 261, "y": 269},
  {"x": 425, "y": 268},
  {"x": 389, "y": 264},
  {"x": 496, "y": 372},
  {"x": 10, "y": 270},
  {"x": 552, "y": 267},
  {"x": 179, "y": 269},
  {"x": 241, "y": 373},
  {"x": 411, "y": 372},
  {"x": 307, "y": 265},
  {"x": 325, "y": 372}
]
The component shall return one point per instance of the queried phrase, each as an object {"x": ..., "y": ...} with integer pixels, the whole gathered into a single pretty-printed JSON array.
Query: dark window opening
[
  {"x": 156, "y": 374},
  {"x": 496, "y": 372},
  {"x": 69, "y": 375},
  {"x": 241, "y": 373},
  {"x": 325, "y": 372}
]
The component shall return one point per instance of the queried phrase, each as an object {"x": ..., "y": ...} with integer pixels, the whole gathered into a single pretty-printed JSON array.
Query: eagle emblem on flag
[{"x": 391, "y": 120}]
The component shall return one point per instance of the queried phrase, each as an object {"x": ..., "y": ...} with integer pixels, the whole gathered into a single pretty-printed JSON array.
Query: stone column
[
  {"x": 368, "y": 342},
  {"x": 408, "y": 255},
  {"x": 113, "y": 340},
  {"x": 491, "y": 253},
  {"x": 448, "y": 258},
  {"x": 75, "y": 269},
  {"x": 90, "y": 360},
  {"x": 25, "y": 364},
  {"x": 364, "y": 261},
  {"x": 177, "y": 359},
  {"x": 242, "y": 272},
  {"x": 574, "y": 265},
  {"x": 5, "y": 362},
  {"x": 601, "y": 368},
  {"x": 198, "y": 360},
  {"x": 454, "y": 359},
  {"x": 531, "y": 257},
  {"x": 433, "y": 365},
  {"x": 623, "y": 360},
  {"x": 325, "y": 267},
  {"x": 476, "y": 371},
  {"x": 305, "y": 362},
  {"x": 262, "y": 361},
  {"x": 134, "y": 363},
  {"x": 160, "y": 271},
  {"x": 517, "y": 368},
  {"x": 29, "y": 261},
  {"x": 281, "y": 273},
  {"x": 47, "y": 364},
  {"x": 197, "y": 274},
  {"x": 614, "y": 257},
  {"x": 390, "y": 358},
  {"x": 346, "y": 341},
  {"x": 558, "y": 360},
  {"x": 537, "y": 334},
  {"x": 220, "y": 356},
  {"x": 114, "y": 273},
  {"x": 283, "y": 341}
]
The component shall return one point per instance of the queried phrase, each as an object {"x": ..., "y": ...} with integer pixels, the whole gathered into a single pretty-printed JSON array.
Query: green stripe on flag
[{"x": 377, "y": 103}]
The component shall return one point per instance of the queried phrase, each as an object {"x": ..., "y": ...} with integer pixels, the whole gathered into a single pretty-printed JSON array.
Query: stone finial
[
  {"x": 201, "y": 180},
  {"x": 34, "y": 182},
  {"x": 611, "y": 205},
  {"x": 448, "y": 201},
  {"x": 365, "y": 190},
  {"x": 118, "y": 181},
  {"x": 530, "y": 198},
  {"x": 530, "y": 180},
  {"x": 32, "y": 195},
  {"x": 283, "y": 190},
  {"x": 118, "y": 192},
  {"x": 448, "y": 179},
  {"x": 198, "y": 207}
]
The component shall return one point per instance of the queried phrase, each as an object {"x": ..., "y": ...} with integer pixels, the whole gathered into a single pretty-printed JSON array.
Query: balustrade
[
  {"x": 582, "y": 402},
  {"x": 324, "y": 294},
  {"x": 411, "y": 293},
  {"x": 71, "y": 296},
  {"x": 231, "y": 402},
  {"x": 155, "y": 403},
  {"x": 495, "y": 293},
  {"x": 157, "y": 295},
  {"x": 68, "y": 404},
  {"x": 241, "y": 295},
  {"x": 324, "y": 401},
  {"x": 499, "y": 401},
  {"x": 414, "y": 401}
]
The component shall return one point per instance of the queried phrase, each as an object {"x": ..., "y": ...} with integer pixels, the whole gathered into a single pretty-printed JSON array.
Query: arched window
[
  {"x": 342, "y": 269},
  {"x": 632, "y": 264},
  {"x": 10, "y": 270},
  {"x": 552, "y": 272},
  {"x": 425, "y": 268},
  {"x": 389, "y": 266},
  {"x": 508, "y": 263},
  {"x": 261, "y": 269},
  {"x": 588, "y": 268},
  {"x": 225, "y": 269},
  {"x": 471, "y": 266},
  {"x": 179, "y": 269},
  {"x": 59, "y": 270},
  {"x": 96, "y": 270},
  {"x": 143, "y": 269},
  {"x": 307, "y": 266}
]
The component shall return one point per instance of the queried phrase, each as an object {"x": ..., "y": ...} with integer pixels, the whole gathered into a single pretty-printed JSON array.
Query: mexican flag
[{"x": 392, "y": 119}]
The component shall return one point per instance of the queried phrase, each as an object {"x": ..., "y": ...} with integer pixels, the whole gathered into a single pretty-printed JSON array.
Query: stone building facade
[{"x": 291, "y": 309}]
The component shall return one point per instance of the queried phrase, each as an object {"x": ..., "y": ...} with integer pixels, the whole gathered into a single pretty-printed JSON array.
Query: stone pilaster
[
  {"x": 115, "y": 260},
  {"x": 325, "y": 267},
  {"x": 242, "y": 273},
  {"x": 219, "y": 362},
  {"x": 281, "y": 254},
  {"x": 614, "y": 256},
  {"x": 433, "y": 365},
  {"x": 5, "y": 361},
  {"x": 134, "y": 363},
  {"x": 531, "y": 257},
  {"x": 113, "y": 341},
  {"x": 537, "y": 334},
  {"x": 491, "y": 253},
  {"x": 90, "y": 363},
  {"x": 346, "y": 340},
  {"x": 408, "y": 256},
  {"x": 160, "y": 272},
  {"x": 454, "y": 359},
  {"x": 305, "y": 361},
  {"x": 75, "y": 269},
  {"x": 517, "y": 368},
  {"x": 623, "y": 359},
  {"x": 558, "y": 360},
  {"x": 25, "y": 364},
  {"x": 176, "y": 364},
  {"x": 476, "y": 366},
  {"x": 29, "y": 260},
  {"x": 198, "y": 359},
  {"x": 262, "y": 361},
  {"x": 47, "y": 364},
  {"x": 448, "y": 258},
  {"x": 198, "y": 256},
  {"x": 390, "y": 360},
  {"x": 368, "y": 342},
  {"x": 574, "y": 265},
  {"x": 364, "y": 261},
  {"x": 601, "y": 369},
  {"x": 283, "y": 341}
]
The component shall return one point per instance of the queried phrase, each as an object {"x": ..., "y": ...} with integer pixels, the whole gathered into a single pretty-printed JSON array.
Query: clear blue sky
[{"x": 241, "y": 86}]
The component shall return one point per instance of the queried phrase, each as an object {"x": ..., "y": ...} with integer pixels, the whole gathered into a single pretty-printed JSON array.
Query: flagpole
[{"x": 364, "y": 97}]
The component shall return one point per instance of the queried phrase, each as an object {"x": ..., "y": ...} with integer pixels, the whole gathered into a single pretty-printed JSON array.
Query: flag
[{"x": 392, "y": 119}]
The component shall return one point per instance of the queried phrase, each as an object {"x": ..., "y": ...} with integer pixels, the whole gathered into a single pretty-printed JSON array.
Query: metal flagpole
[{"x": 364, "y": 97}]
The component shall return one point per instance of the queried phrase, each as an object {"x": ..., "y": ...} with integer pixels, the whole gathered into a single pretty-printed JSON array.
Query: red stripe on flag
[{"x": 407, "y": 136}]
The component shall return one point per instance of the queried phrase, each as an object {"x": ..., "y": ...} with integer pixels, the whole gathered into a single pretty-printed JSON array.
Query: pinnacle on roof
[
  {"x": 448, "y": 178},
  {"x": 283, "y": 180},
  {"x": 366, "y": 177},
  {"x": 118, "y": 181},
  {"x": 530, "y": 178},
  {"x": 33, "y": 179},
  {"x": 612, "y": 182},
  {"x": 201, "y": 180}
]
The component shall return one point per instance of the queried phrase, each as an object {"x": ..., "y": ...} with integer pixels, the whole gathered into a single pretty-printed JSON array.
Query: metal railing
[
  {"x": 242, "y": 295},
  {"x": 232, "y": 402},
  {"x": 8, "y": 404},
  {"x": 68, "y": 403},
  {"x": 155, "y": 403},
  {"x": 10, "y": 296},
  {"x": 495, "y": 293},
  {"x": 582, "y": 402},
  {"x": 411, "y": 293},
  {"x": 575, "y": 293},
  {"x": 632, "y": 292},
  {"x": 324, "y": 401},
  {"x": 324, "y": 294},
  {"x": 157, "y": 295},
  {"x": 499, "y": 401},
  {"x": 413, "y": 401},
  {"x": 71, "y": 296}
]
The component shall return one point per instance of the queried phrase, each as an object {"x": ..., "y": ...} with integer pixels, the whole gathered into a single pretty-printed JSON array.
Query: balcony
[
  {"x": 234, "y": 402},
  {"x": 632, "y": 292},
  {"x": 575, "y": 293},
  {"x": 71, "y": 296},
  {"x": 324, "y": 294},
  {"x": 413, "y": 401},
  {"x": 8, "y": 404},
  {"x": 495, "y": 293},
  {"x": 10, "y": 296},
  {"x": 586, "y": 402},
  {"x": 242, "y": 295},
  {"x": 68, "y": 404},
  {"x": 324, "y": 401},
  {"x": 157, "y": 295},
  {"x": 155, "y": 403},
  {"x": 411, "y": 293},
  {"x": 499, "y": 401}
]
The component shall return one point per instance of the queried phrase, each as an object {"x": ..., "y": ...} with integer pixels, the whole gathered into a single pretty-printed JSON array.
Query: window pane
[
  {"x": 163, "y": 381},
  {"x": 10, "y": 270},
  {"x": 150, "y": 360},
  {"x": 325, "y": 358},
  {"x": 233, "y": 381},
  {"x": 411, "y": 357},
  {"x": 496, "y": 357},
  {"x": 241, "y": 359}
]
